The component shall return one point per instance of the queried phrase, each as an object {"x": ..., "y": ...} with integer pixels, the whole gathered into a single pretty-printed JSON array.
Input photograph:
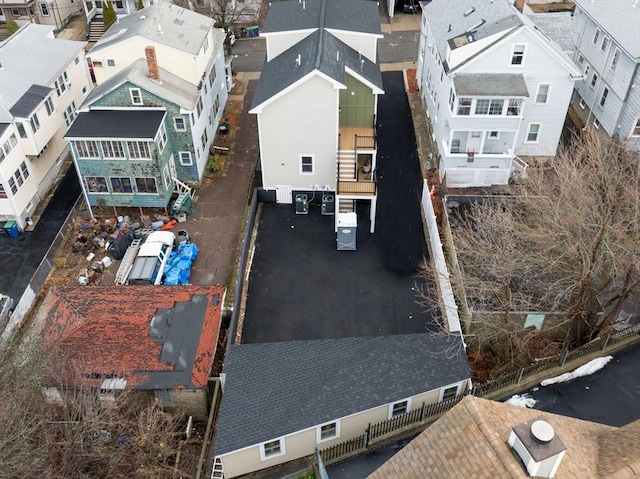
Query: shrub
[{"x": 12, "y": 27}]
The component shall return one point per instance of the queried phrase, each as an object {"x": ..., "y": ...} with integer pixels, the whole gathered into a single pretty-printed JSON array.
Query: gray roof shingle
[
  {"x": 274, "y": 389},
  {"x": 164, "y": 23},
  {"x": 142, "y": 124},
  {"x": 619, "y": 18},
  {"x": 448, "y": 21},
  {"x": 483, "y": 84},
  {"x": 348, "y": 15},
  {"x": 317, "y": 52},
  {"x": 29, "y": 101},
  {"x": 172, "y": 88}
]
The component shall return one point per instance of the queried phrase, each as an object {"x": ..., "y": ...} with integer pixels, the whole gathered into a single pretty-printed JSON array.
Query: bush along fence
[
  {"x": 515, "y": 378},
  {"x": 376, "y": 434}
]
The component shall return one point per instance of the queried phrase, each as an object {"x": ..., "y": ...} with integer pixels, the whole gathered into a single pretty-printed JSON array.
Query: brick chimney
[{"x": 152, "y": 63}]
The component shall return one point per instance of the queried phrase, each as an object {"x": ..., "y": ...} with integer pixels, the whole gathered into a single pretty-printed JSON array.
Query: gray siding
[
  {"x": 622, "y": 106},
  {"x": 177, "y": 141}
]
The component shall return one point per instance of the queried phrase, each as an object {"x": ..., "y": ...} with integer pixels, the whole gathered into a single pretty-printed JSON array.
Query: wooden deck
[
  {"x": 364, "y": 188},
  {"x": 348, "y": 136}
]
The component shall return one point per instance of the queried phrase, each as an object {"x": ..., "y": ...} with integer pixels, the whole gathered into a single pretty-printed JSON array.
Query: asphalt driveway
[
  {"x": 301, "y": 287},
  {"x": 21, "y": 256}
]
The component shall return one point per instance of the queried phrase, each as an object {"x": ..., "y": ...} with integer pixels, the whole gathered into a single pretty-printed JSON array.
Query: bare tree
[
  {"x": 227, "y": 14},
  {"x": 566, "y": 243},
  {"x": 71, "y": 430}
]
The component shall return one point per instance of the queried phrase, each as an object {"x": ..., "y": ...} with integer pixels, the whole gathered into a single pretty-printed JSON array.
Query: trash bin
[
  {"x": 253, "y": 31},
  {"x": 11, "y": 228},
  {"x": 2, "y": 231}
]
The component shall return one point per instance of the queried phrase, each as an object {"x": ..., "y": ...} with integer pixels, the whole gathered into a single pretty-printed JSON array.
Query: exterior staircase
[
  {"x": 346, "y": 165},
  {"x": 346, "y": 206},
  {"x": 96, "y": 29}
]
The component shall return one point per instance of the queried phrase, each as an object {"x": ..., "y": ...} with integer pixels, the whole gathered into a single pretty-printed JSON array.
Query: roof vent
[
  {"x": 159, "y": 28},
  {"x": 478, "y": 24},
  {"x": 470, "y": 11},
  {"x": 337, "y": 55},
  {"x": 538, "y": 446},
  {"x": 542, "y": 431},
  {"x": 298, "y": 60},
  {"x": 142, "y": 17}
]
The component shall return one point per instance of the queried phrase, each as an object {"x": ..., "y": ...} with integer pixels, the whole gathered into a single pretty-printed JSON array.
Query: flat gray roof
[
  {"x": 116, "y": 124},
  {"x": 485, "y": 84}
]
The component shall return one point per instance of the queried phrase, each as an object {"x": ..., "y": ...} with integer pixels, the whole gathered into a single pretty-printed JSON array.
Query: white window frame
[
  {"x": 444, "y": 389},
  {"x": 546, "y": 95},
  {"x": 48, "y": 103},
  {"x": 111, "y": 62},
  {"x": 139, "y": 100},
  {"x": 139, "y": 150},
  {"x": 175, "y": 123},
  {"x": 635, "y": 130},
  {"x": 137, "y": 190},
  {"x": 44, "y": 8},
  {"x": 113, "y": 148},
  {"x": 166, "y": 177},
  {"x": 605, "y": 43},
  {"x": 34, "y": 121},
  {"x": 594, "y": 80},
  {"x": 520, "y": 54},
  {"x": 190, "y": 163},
  {"x": 582, "y": 103},
  {"x": 537, "y": 140},
  {"x": 120, "y": 178},
  {"x": 493, "y": 135},
  {"x": 313, "y": 164},
  {"x": 161, "y": 139},
  {"x": 596, "y": 123},
  {"x": 614, "y": 60},
  {"x": 393, "y": 404},
  {"x": 603, "y": 97},
  {"x": 263, "y": 453},
  {"x": 88, "y": 146},
  {"x": 596, "y": 36},
  {"x": 320, "y": 439}
]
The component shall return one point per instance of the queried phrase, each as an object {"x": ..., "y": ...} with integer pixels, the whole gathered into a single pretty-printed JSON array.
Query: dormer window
[{"x": 517, "y": 57}]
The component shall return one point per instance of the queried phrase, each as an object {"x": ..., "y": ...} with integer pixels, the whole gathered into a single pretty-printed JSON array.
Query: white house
[
  {"x": 282, "y": 400},
  {"x": 317, "y": 100},
  {"x": 42, "y": 80},
  {"x": 186, "y": 46},
  {"x": 607, "y": 38},
  {"x": 495, "y": 87},
  {"x": 56, "y": 13}
]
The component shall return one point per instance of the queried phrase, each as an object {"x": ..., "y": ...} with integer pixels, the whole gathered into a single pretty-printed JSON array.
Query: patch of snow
[
  {"x": 521, "y": 400},
  {"x": 584, "y": 370}
]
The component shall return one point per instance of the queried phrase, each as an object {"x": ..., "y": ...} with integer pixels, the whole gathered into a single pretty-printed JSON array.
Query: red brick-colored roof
[{"x": 104, "y": 330}]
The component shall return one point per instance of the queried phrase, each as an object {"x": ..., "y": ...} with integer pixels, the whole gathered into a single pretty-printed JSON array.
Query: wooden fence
[
  {"x": 514, "y": 378},
  {"x": 377, "y": 433}
]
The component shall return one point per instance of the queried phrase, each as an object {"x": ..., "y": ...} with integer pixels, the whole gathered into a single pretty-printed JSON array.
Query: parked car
[{"x": 151, "y": 261}]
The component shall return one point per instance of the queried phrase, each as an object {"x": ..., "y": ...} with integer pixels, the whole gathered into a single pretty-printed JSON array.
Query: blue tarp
[{"x": 178, "y": 268}]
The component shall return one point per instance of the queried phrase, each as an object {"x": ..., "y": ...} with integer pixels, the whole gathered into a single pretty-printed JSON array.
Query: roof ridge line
[{"x": 323, "y": 14}]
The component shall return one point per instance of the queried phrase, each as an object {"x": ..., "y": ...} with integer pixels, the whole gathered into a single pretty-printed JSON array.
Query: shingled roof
[
  {"x": 347, "y": 15},
  {"x": 166, "y": 24},
  {"x": 275, "y": 389},
  {"x": 155, "y": 337},
  {"x": 471, "y": 441},
  {"x": 319, "y": 51}
]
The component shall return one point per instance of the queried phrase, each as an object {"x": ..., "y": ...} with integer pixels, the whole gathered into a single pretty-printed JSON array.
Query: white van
[{"x": 149, "y": 265}]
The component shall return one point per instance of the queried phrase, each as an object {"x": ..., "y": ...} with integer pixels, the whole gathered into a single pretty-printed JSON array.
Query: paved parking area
[
  {"x": 21, "y": 256},
  {"x": 301, "y": 287}
]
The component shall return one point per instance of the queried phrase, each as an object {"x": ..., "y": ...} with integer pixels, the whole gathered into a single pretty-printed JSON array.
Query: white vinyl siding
[{"x": 286, "y": 132}]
